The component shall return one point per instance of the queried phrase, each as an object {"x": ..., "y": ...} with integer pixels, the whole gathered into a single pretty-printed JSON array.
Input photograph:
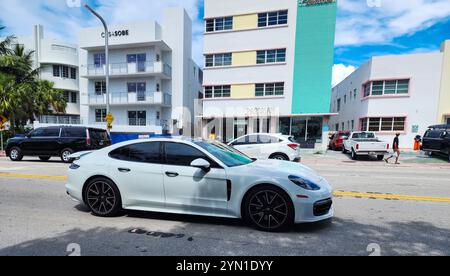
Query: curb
[{"x": 2, "y": 154}]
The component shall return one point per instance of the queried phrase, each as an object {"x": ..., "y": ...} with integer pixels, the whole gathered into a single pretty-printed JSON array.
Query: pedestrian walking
[{"x": 396, "y": 148}]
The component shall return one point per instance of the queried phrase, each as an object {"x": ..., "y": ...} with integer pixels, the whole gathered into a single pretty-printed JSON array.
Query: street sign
[
  {"x": 109, "y": 118},
  {"x": 3, "y": 120}
]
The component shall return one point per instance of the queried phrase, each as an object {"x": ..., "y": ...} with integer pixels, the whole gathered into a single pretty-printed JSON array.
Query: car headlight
[
  {"x": 74, "y": 166},
  {"x": 303, "y": 183}
]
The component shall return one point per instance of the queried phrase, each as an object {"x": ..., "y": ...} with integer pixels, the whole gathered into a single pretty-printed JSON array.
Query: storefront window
[
  {"x": 299, "y": 129},
  {"x": 285, "y": 126}
]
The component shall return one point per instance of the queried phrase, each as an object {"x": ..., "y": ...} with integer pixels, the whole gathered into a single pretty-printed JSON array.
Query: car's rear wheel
[
  {"x": 344, "y": 151},
  {"x": 16, "y": 154},
  {"x": 268, "y": 208},
  {"x": 380, "y": 157},
  {"x": 65, "y": 153},
  {"x": 103, "y": 197},
  {"x": 279, "y": 156},
  {"x": 44, "y": 158}
]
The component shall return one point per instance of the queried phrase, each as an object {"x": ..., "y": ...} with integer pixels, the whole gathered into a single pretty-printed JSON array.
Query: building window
[
  {"x": 219, "y": 24},
  {"x": 353, "y": 125},
  {"x": 355, "y": 93},
  {"x": 385, "y": 124},
  {"x": 338, "y": 105},
  {"x": 73, "y": 73},
  {"x": 137, "y": 118},
  {"x": 391, "y": 87},
  {"x": 100, "y": 115},
  {"x": 218, "y": 60},
  {"x": 158, "y": 87},
  {"x": 223, "y": 91},
  {"x": 271, "y": 56},
  {"x": 272, "y": 18},
  {"x": 64, "y": 72},
  {"x": 345, "y": 99},
  {"x": 66, "y": 96},
  {"x": 73, "y": 97},
  {"x": 269, "y": 89},
  {"x": 100, "y": 88},
  {"x": 56, "y": 71},
  {"x": 158, "y": 115},
  {"x": 99, "y": 59}
]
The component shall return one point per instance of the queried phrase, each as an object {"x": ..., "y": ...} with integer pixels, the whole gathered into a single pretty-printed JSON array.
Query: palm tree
[{"x": 5, "y": 44}]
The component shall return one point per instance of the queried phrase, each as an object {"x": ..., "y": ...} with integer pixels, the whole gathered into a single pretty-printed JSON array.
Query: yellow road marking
[
  {"x": 391, "y": 196},
  {"x": 33, "y": 176},
  {"x": 336, "y": 193}
]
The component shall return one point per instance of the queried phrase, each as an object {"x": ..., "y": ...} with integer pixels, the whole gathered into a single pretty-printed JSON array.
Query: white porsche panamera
[{"x": 198, "y": 177}]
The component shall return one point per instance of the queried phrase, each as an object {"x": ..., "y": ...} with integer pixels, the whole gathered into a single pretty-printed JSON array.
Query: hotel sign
[
  {"x": 314, "y": 2},
  {"x": 117, "y": 33}
]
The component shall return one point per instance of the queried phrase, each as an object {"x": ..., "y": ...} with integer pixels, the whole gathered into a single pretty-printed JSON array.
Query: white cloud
[
  {"x": 340, "y": 72},
  {"x": 359, "y": 24}
]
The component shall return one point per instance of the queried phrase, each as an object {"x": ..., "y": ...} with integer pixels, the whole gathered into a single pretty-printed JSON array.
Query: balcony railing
[
  {"x": 119, "y": 98},
  {"x": 62, "y": 120},
  {"x": 123, "y": 69}
]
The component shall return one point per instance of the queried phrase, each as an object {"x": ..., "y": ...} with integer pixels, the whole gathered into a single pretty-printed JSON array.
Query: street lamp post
[{"x": 106, "y": 56}]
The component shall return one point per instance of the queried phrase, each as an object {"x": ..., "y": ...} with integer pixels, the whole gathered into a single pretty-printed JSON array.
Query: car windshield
[
  {"x": 228, "y": 155},
  {"x": 364, "y": 135}
]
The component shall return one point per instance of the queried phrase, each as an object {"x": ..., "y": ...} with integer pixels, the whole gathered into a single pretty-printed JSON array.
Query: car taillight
[
  {"x": 340, "y": 141},
  {"x": 388, "y": 146},
  {"x": 357, "y": 147},
  {"x": 294, "y": 146},
  {"x": 88, "y": 138}
]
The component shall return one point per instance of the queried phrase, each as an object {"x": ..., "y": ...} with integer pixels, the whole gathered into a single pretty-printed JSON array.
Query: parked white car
[
  {"x": 268, "y": 146},
  {"x": 198, "y": 177},
  {"x": 364, "y": 144}
]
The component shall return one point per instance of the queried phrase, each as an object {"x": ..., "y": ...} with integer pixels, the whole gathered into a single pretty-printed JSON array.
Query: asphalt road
[{"x": 37, "y": 218}]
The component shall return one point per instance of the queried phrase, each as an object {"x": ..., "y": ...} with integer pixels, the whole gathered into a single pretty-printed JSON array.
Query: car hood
[{"x": 282, "y": 169}]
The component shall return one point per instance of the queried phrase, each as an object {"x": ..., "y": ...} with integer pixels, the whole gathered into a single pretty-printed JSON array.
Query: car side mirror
[
  {"x": 201, "y": 164},
  {"x": 344, "y": 137}
]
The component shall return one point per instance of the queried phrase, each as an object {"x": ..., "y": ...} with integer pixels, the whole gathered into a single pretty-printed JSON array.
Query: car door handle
[
  {"x": 124, "y": 170},
  {"x": 172, "y": 174}
]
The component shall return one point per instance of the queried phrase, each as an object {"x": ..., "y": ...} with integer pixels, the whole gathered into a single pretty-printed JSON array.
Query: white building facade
[
  {"x": 268, "y": 68},
  {"x": 153, "y": 80},
  {"x": 58, "y": 63},
  {"x": 394, "y": 94}
]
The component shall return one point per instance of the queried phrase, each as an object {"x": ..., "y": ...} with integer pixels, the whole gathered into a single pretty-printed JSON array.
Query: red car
[{"x": 337, "y": 140}]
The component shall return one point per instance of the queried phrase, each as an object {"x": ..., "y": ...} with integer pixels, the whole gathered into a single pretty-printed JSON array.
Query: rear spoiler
[{"x": 79, "y": 155}]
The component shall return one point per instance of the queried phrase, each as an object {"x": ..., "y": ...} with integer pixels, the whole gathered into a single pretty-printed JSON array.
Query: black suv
[
  {"x": 437, "y": 140},
  {"x": 57, "y": 142}
]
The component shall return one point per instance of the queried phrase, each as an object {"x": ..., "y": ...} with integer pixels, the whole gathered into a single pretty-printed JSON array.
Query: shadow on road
[{"x": 230, "y": 237}]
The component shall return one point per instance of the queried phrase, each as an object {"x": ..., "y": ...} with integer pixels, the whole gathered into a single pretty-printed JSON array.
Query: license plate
[{"x": 101, "y": 143}]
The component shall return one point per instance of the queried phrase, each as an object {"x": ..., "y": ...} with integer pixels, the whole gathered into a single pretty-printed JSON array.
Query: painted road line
[
  {"x": 34, "y": 176},
  {"x": 391, "y": 196}
]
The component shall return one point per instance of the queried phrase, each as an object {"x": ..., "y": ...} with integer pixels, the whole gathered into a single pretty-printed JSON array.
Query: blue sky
[{"x": 364, "y": 27}]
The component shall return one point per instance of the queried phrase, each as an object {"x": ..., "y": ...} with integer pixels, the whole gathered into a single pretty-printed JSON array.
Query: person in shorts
[{"x": 396, "y": 148}]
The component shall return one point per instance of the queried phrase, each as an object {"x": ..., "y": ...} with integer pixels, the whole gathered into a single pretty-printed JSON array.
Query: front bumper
[{"x": 314, "y": 209}]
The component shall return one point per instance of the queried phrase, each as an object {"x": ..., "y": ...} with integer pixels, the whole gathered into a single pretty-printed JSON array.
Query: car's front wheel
[
  {"x": 16, "y": 154},
  {"x": 103, "y": 197},
  {"x": 268, "y": 208}
]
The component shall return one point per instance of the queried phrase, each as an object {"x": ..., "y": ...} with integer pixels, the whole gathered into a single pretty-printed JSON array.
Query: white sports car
[{"x": 198, "y": 177}]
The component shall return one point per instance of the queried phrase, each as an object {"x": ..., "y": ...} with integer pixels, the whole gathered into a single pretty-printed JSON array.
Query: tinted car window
[
  {"x": 266, "y": 139},
  {"x": 51, "y": 132},
  {"x": 182, "y": 155},
  {"x": 74, "y": 132},
  {"x": 37, "y": 133},
  {"x": 432, "y": 134},
  {"x": 98, "y": 134},
  {"x": 142, "y": 153},
  {"x": 241, "y": 141}
]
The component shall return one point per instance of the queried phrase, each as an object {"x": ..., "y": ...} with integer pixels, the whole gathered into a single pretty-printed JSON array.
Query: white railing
[
  {"x": 120, "y": 69},
  {"x": 118, "y": 98},
  {"x": 62, "y": 120}
]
